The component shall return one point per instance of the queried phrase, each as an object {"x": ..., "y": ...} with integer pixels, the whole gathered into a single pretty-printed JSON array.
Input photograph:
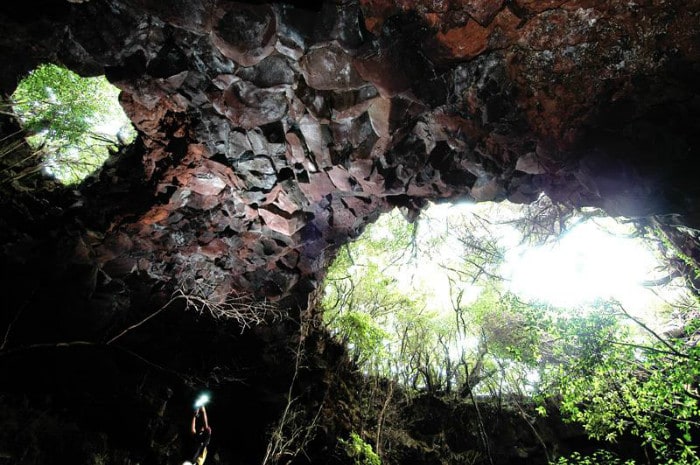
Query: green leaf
[{"x": 67, "y": 118}]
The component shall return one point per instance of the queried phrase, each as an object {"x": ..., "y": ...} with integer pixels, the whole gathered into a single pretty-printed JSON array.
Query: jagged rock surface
[{"x": 272, "y": 134}]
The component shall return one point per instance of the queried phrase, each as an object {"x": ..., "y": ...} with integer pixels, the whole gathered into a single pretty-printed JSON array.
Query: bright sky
[
  {"x": 115, "y": 120},
  {"x": 595, "y": 259},
  {"x": 587, "y": 263}
]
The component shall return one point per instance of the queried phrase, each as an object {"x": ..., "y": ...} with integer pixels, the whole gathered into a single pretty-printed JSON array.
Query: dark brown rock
[
  {"x": 245, "y": 33},
  {"x": 247, "y": 106},
  {"x": 329, "y": 67},
  {"x": 274, "y": 123},
  {"x": 482, "y": 11}
]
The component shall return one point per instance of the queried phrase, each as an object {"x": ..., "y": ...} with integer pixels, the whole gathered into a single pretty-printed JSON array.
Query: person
[{"x": 202, "y": 436}]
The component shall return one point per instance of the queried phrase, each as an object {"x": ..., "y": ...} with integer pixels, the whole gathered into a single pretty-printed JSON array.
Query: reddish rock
[
  {"x": 574, "y": 27},
  {"x": 318, "y": 187},
  {"x": 361, "y": 169},
  {"x": 375, "y": 11},
  {"x": 465, "y": 42},
  {"x": 203, "y": 202},
  {"x": 379, "y": 115},
  {"x": 224, "y": 172},
  {"x": 384, "y": 71},
  {"x": 206, "y": 184},
  {"x": 482, "y": 11},
  {"x": 472, "y": 39},
  {"x": 353, "y": 111},
  {"x": 248, "y": 107},
  {"x": 285, "y": 197},
  {"x": 372, "y": 183},
  {"x": 505, "y": 29},
  {"x": 537, "y": 6},
  {"x": 155, "y": 215},
  {"x": 363, "y": 208},
  {"x": 317, "y": 140},
  {"x": 294, "y": 151},
  {"x": 342, "y": 218},
  {"x": 144, "y": 118},
  {"x": 215, "y": 248},
  {"x": 341, "y": 178},
  {"x": 279, "y": 222}
]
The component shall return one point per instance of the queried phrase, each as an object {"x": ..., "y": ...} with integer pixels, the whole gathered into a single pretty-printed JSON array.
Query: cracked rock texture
[{"x": 270, "y": 134}]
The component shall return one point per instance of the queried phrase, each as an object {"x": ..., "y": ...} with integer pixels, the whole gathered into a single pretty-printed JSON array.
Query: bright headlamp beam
[{"x": 202, "y": 400}]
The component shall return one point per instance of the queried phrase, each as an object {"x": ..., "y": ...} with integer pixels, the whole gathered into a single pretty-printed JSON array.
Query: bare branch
[
  {"x": 293, "y": 430},
  {"x": 242, "y": 308}
]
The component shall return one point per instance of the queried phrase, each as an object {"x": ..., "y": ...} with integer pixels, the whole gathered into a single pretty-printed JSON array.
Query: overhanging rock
[{"x": 271, "y": 134}]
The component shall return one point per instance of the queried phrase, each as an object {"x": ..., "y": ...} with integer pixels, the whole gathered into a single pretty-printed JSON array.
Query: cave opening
[
  {"x": 71, "y": 123},
  {"x": 535, "y": 305},
  {"x": 259, "y": 156}
]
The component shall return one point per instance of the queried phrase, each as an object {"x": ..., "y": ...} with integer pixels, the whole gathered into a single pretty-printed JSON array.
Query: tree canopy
[
  {"x": 605, "y": 367},
  {"x": 70, "y": 121}
]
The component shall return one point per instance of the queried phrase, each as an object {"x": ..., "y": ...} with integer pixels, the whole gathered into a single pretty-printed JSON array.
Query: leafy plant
[
  {"x": 615, "y": 382},
  {"x": 672, "y": 249},
  {"x": 602, "y": 367},
  {"x": 364, "y": 337},
  {"x": 70, "y": 121},
  {"x": 599, "y": 457},
  {"x": 359, "y": 450}
]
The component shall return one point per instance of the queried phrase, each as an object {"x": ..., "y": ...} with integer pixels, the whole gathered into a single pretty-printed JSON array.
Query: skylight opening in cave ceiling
[
  {"x": 463, "y": 269},
  {"x": 541, "y": 252},
  {"x": 72, "y": 123}
]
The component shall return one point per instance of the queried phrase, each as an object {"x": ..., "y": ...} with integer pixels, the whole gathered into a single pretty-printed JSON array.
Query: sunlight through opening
[
  {"x": 72, "y": 123},
  {"x": 472, "y": 281}
]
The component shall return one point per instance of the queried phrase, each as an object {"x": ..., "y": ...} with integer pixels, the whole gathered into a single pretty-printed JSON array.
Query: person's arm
[
  {"x": 204, "y": 413},
  {"x": 194, "y": 422}
]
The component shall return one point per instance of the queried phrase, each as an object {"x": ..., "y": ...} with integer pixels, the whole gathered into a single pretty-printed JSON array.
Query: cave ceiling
[{"x": 270, "y": 134}]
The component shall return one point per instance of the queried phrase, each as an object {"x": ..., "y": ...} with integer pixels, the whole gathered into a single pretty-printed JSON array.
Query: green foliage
[
  {"x": 599, "y": 457},
  {"x": 66, "y": 116},
  {"x": 362, "y": 303},
  {"x": 57, "y": 103},
  {"x": 511, "y": 328},
  {"x": 360, "y": 451},
  {"x": 392, "y": 333},
  {"x": 613, "y": 383},
  {"x": 604, "y": 368},
  {"x": 669, "y": 247},
  {"x": 364, "y": 337}
]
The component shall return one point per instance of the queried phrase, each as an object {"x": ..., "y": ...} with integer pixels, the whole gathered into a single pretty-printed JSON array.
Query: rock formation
[{"x": 271, "y": 134}]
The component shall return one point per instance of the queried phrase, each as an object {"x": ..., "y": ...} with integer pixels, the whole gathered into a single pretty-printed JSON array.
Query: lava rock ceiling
[{"x": 272, "y": 133}]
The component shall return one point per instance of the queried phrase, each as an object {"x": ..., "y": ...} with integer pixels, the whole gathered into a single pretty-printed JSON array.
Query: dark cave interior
[{"x": 270, "y": 135}]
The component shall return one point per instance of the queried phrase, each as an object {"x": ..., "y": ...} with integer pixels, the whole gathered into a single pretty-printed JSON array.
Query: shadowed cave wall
[{"x": 269, "y": 135}]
